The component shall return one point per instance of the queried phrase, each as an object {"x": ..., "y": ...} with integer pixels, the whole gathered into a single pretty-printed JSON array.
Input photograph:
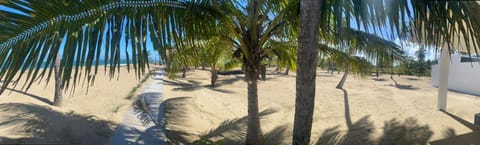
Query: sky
[
  {"x": 409, "y": 48},
  {"x": 150, "y": 48}
]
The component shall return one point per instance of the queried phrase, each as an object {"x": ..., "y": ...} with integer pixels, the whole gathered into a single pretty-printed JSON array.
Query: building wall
[{"x": 463, "y": 77}]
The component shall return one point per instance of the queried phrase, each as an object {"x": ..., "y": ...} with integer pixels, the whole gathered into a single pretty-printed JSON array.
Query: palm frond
[{"x": 88, "y": 31}]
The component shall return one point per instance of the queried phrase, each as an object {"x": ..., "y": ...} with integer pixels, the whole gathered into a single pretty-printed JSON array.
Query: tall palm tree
[
  {"x": 307, "y": 56},
  {"x": 58, "y": 96},
  {"x": 434, "y": 23}
]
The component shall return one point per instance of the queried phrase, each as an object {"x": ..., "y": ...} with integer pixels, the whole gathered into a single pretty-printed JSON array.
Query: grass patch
[{"x": 131, "y": 94}]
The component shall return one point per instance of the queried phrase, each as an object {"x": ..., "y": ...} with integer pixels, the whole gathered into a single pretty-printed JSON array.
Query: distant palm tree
[
  {"x": 217, "y": 54},
  {"x": 372, "y": 47}
]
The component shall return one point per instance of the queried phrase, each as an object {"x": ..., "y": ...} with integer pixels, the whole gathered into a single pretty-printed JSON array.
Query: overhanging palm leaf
[
  {"x": 84, "y": 28},
  {"x": 27, "y": 42}
]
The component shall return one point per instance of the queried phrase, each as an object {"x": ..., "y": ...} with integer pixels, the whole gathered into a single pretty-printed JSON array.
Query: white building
[{"x": 463, "y": 74}]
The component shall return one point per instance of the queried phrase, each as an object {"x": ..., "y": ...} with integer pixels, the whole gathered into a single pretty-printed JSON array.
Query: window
[{"x": 470, "y": 59}]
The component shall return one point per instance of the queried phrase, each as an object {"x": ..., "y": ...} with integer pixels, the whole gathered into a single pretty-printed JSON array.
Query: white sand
[
  {"x": 86, "y": 118},
  {"x": 379, "y": 112}
]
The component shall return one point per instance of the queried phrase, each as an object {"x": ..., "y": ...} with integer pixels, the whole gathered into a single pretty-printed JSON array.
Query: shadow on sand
[
  {"x": 175, "y": 114},
  {"x": 408, "y": 132},
  {"x": 361, "y": 131},
  {"x": 192, "y": 85},
  {"x": 402, "y": 87},
  {"x": 413, "y": 79},
  {"x": 451, "y": 137},
  {"x": 39, "y": 98},
  {"x": 48, "y": 126},
  {"x": 233, "y": 131},
  {"x": 379, "y": 79}
]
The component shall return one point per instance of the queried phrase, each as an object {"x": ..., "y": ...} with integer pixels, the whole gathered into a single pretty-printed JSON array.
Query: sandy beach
[
  {"x": 369, "y": 110},
  {"x": 86, "y": 118}
]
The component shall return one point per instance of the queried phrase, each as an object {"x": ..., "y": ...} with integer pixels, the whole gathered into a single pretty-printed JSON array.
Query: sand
[
  {"x": 86, "y": 117},
  {"x": 367, "y": 111}
]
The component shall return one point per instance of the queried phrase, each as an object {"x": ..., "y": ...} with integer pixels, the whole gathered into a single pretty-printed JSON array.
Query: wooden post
[{"x": 443, "y": 79}]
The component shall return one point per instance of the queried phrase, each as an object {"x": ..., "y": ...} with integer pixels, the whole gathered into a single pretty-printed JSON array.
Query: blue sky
[
  {"x": 409, "y": 47},
  {"x": 150, "y": 48}
]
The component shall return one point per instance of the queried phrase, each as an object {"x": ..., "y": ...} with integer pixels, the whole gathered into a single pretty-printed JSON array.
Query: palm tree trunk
[
  {"x": 58, "y": 98},
  {"x": 342, "y": 81},
  {"x": 263, "y": 72},
  {"x": 254, "y": 132},
  {"x": 287, "y": 70},
  {"x": 214, "y": 76},
  {"x": 184, "y": 72},
  {"x": 307, "y": 55},
  {"x": 391, "y": 73}
]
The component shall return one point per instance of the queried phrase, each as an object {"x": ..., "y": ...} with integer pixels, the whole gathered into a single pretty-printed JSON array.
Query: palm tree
[
  {"x": 306, "y": 73},
  {"x": 89, "y": 26},
  {"x": 58, "y": 97},
  {"x": 372, "y": 47},
  {"x": 31, "y": 38},
  {"x": 284, "y": 53},
  {"x": 433, "y": 23},
  {"x": 216, "y": 54}
]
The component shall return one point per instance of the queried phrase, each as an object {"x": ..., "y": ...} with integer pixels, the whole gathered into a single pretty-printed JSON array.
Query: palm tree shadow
[
  {"x": 175, "y": 115},
  {"x": 182, "y": 86},
  {"x": 394, "y": 132},
  {"x": 229, "y": 81},
  {"x": 360, "y": 132},
  {"x": 45, "y": 125},
  {"x": 412, "y": 79},
  {"x": 231, "y": 72},
  {"x": 39, "y": 98},
  {"x": 348, "y": 119},
  {"x": 379, "y": 79},
  {"x": 403, "y": 87},
  {"x": 219, "y": 90},
  {"x": 193, "y": 85},
  {"x": 406, "y": 132},
  {"x": 233, "y": 131}
]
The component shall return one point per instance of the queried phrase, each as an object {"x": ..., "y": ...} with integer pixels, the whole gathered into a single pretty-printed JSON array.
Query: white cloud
[{"x": 411, "y": 48}]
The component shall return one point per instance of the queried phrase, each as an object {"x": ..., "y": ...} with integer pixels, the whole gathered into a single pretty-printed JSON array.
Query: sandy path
[{"x": 134, "y": 130}]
